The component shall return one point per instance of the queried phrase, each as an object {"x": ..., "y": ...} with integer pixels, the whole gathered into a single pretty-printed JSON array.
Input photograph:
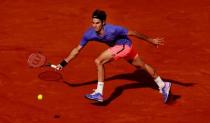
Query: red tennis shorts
[{"x": 123, "y": 51}]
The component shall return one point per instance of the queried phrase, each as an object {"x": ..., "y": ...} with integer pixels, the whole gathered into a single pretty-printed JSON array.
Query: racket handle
[{"x": 53, "y": 66}]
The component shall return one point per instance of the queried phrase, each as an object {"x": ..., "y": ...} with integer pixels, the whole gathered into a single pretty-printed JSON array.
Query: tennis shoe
[
  {"x": 166, "y": 91},
  {"x": 95, "y": 96}
]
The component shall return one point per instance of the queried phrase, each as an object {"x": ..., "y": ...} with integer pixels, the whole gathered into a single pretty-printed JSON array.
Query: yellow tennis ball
[{"x": 40, "y": 97}]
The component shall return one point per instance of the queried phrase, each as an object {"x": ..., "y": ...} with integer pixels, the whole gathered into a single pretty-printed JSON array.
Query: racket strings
[{"x": 36, "y": 60}]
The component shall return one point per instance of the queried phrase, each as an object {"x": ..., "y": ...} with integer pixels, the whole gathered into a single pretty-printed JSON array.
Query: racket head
[{"x": 37, "y": 59}]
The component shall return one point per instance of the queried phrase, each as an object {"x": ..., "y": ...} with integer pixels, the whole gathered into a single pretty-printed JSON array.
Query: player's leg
[
  {"x": 139, "y": 63},
  {"x": 164, "y": 87},
  {"x": 114, "y": 53},
  {"x": 104, "y": 58},
  {"x": 134, "y": 59},
  {"x": 100, "y": 61}
]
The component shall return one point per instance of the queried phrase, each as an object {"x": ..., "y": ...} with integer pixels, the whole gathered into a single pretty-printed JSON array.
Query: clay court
[{"x": 54, "y": 27}]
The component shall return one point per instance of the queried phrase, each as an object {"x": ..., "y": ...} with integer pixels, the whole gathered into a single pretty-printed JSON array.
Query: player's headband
[{"x": 99, "y": 17}]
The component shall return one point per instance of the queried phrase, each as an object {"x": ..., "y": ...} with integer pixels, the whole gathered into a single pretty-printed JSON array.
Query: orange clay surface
[{"x": 54, "y": 27}]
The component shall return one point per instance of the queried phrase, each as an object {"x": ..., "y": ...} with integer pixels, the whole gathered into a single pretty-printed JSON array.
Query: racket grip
[{"x": 53, "y": 66}]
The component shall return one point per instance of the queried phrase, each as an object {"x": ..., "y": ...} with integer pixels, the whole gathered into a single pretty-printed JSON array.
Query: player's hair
[{"x": 99, "y": 14}]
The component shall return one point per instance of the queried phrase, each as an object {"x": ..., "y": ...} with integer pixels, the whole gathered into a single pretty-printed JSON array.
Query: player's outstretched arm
[
  {"x": 71, "y": 56},
  {"x": 154, "y": 41},
  {"x": 73, "y": 53}
]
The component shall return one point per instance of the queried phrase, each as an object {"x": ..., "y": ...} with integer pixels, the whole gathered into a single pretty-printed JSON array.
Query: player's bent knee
[{"x": 98, "y": 62}]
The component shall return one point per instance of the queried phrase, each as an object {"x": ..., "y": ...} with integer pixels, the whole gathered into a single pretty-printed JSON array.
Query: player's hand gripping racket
[{"x": 37, "y": 59}]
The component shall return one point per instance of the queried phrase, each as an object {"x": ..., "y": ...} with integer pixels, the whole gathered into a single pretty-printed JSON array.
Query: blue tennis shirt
[{"x": 113, "y": 35}]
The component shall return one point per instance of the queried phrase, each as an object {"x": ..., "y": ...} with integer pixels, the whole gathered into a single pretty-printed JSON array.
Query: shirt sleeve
[
  {"x": 121, "y": 30},
  {"x": 84, "y": 39}
]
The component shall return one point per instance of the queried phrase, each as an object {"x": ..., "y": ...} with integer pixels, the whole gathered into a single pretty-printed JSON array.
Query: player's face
[{"x": 97, "y": 24}]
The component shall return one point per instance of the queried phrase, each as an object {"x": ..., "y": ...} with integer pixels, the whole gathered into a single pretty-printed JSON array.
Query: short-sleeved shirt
[{"x": 113, "y": 35}]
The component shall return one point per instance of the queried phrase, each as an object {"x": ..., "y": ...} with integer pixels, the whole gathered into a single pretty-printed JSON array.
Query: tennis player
[{"x": 117, "y": 37}]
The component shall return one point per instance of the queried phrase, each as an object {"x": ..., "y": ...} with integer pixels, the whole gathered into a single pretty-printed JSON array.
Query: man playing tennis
[{"x": 120, "y": 47}]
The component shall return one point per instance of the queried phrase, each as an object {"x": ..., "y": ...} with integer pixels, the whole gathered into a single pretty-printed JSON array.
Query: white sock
[
  {"x": 159, "y": 82},
  {"x": 100, "y": 87}
]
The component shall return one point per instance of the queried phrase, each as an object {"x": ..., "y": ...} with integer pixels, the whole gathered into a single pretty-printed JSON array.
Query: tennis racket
[{"x": 38, "y": 59}]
